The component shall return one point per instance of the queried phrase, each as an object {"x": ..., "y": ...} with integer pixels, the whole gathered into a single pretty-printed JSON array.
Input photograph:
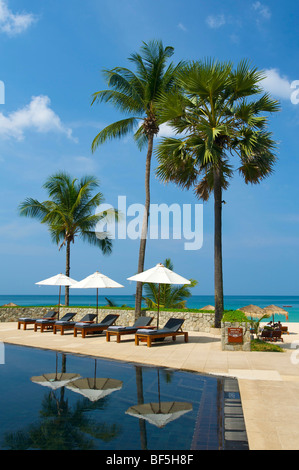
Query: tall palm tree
[
  {"x": 170, "y": 296},
  {"x": 135, "y": 94},
  {"x": 219, "y": 115},
  {"x": 70, "y": 212}
]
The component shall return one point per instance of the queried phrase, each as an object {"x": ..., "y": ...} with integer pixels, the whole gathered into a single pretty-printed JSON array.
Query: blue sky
[{"x": 52, "y": 55}]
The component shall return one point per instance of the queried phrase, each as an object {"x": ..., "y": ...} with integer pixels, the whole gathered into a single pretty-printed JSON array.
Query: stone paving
[{"x": 268, "y": 381}]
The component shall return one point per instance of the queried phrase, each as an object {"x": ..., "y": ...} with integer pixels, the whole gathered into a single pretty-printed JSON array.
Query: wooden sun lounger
[
  {"x": 119, "y": 331},
  {"x": 271, "y": 335},
  {"x": 45, "y": 324},
  {"x": 172, "y": 328},
  {"x": 31, "y": 321},
  {"x": 63, "y": 326},
  {"x": 95, "y": 327},
  {"x": 150, "y": 337}
]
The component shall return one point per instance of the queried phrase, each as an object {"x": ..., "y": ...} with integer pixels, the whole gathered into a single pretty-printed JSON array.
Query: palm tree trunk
[
  {"x": 218, "y": 276},
  {"x": 67, "y": 271},
  {"x": 142, "y": 246}
]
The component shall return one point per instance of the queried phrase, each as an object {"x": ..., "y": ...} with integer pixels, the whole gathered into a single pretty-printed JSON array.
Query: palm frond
[{"x": 117, "y": 130}]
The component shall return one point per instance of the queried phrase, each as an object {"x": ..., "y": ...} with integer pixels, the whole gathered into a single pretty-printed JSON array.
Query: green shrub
[
  {"x": 234, "y": 316},
  {"x": 259, "y": 345}
]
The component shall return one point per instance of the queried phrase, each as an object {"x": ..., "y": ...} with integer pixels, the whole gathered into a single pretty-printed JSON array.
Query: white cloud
[
  {"x": 262, "y": 10},
  {"x": 36, "y": 116},
  {"x": 215, "y": 21},
  {"x": 14, "y": 23},
  {"x": 277, "y": 85},
  {"x": 166, "y": 131}
]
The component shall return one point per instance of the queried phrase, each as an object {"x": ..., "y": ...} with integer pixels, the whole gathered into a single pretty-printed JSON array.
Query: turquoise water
[
  {"x": 196, "y": 301},
  {"x": 37, "y": 417}
]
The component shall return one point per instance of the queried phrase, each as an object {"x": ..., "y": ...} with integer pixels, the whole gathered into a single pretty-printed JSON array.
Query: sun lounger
[
  {"x": 45, "y": 324},
  {"x": 284, "y": 329},
  {"x": 84, "y": 329},
  {"x": 171, "y": 328},
  {"x": 31, "y": 321},
  {"x": 271, "y": 335},
  {"x": 266, "y": 335},
  {"x": 276, "y": 335},
  {"x": 62, "y": 325},
  {"x": 118, "y": 331}
]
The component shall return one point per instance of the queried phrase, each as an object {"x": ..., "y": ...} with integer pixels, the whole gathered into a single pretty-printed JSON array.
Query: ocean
[{"x": 231, "y": 302}]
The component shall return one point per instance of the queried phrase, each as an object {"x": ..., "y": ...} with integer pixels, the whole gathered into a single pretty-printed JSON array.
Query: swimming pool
[{"x": 123, "y": 406}]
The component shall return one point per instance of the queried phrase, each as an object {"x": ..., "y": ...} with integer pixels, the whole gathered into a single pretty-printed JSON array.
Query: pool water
[{"x": 41, "y": 417}]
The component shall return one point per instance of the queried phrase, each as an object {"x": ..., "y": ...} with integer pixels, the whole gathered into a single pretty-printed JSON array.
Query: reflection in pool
[{"x": 57, "y": 401}]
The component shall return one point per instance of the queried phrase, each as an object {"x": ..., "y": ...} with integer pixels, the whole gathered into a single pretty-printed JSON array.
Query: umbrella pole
[
  {"x": 95, "y": 374},
  {"x": 59, "y": 301},
  {"x": 158, "y": 307},
  {"x": 97, "y": 302},
  {"x": 159, "y": 399}
]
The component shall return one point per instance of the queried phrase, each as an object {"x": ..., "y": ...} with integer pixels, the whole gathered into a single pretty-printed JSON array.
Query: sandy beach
[{"x": 268, "y": 381}]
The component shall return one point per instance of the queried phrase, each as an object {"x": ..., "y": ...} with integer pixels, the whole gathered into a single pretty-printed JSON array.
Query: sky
[{"x": 52, "y": 58}]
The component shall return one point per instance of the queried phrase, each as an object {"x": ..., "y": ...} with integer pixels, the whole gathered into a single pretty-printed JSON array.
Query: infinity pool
[{"x": 47, "y": 403}]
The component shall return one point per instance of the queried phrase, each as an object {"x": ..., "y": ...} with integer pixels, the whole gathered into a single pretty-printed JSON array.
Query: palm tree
[
  {"x": 135, "y": 94},
  {"x": 170, "y": 296},
  {"x": 219, "y": 115},
  {"x": 70, "y": 212}
]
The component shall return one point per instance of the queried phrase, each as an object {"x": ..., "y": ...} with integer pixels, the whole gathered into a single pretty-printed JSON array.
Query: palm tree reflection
[{"x": 62, "y": 426}]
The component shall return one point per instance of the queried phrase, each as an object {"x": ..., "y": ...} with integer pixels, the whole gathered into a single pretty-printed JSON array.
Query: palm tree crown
[
  {"x": 218, "y": 113},
  {"x": 135, "y": 93}
]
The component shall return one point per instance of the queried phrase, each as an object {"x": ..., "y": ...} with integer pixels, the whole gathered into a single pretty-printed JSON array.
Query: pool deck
[{"x": 268, "y": 381}]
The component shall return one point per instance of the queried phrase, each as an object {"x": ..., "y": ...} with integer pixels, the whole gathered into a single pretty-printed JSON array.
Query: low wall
[{"x": 194, "y": 321}]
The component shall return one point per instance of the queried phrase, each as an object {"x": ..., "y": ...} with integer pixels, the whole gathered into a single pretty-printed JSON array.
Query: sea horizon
[{"x": 231, "y": 302}]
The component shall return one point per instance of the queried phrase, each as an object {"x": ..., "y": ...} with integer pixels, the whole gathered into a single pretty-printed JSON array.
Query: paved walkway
[{"x": 268, "y": 382}]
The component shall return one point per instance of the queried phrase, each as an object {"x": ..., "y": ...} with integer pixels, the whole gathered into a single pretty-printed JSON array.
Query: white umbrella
[
  {"x": 95, "y": 388},
  {"x": 55, "y": 380},
  {"x": 58, "y": 280},
  {"x": 160, "y": 414},
  {"x": 159, "y": 274},
  {"x": 96, "y": 281}
]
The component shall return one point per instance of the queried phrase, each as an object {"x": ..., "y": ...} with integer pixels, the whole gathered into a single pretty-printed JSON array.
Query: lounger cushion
[
  {"x": 107, "y": 321},
  {"x": 122, "y": 328},
  {"x": 141, "y": 321},
  {"x": 48, "y": 315},
  {"x": 154, "y": 332},
  {"x": 45, "y": 320},
  {"x": 28, "y": 319},
  {"x": 171, "y": 326}
]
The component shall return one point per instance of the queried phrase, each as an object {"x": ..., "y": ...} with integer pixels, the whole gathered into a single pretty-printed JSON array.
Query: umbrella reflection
[
  {"x": 161, "y": 413},
  {"x": 95, "y": 388},
  {"x": 55, "y": 380}
]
